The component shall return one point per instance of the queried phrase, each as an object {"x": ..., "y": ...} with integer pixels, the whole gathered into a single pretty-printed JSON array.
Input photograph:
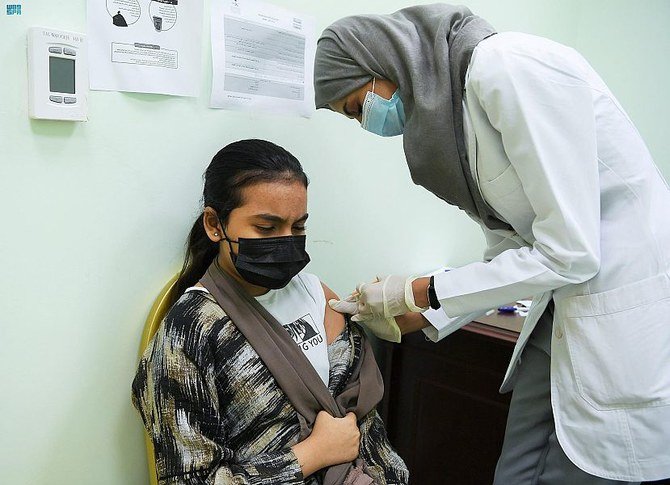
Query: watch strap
[{"x": 432, "y": 295}]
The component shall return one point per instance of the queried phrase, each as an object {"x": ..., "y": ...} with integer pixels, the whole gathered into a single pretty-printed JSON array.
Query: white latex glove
[
  {"x": 385, "y": 298},
  {"x": 348, "y": 306},
  {"x": 383, "y": 328}
]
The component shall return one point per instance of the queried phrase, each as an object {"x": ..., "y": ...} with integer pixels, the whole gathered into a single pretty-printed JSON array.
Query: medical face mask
[
  {"x": 269, "y": 262},
  {"x": 384, "y": 117}
]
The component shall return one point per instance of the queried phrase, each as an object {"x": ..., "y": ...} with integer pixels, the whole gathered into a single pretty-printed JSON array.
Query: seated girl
[{"x": 251, "y": 377}]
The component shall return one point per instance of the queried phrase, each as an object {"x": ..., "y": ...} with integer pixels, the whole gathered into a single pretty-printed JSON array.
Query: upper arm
[
  {"x": 173, "y": 391},
  {"x": 333, "y": 321},
  {"x": 543, "y": 110}
]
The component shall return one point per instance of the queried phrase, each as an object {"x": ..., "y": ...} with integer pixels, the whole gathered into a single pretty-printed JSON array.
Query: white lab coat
[{"x": 556, "y": 156}]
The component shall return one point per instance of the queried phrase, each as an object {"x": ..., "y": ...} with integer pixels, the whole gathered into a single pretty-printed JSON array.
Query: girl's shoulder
[
  {"x": 309, "y": 282},
  {"x": 194, "y": 319},
  {"x": 195, "y": 307}
]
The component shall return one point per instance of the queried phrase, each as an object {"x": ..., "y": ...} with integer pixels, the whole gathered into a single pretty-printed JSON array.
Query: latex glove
[
  {"x": 385, "y": 298},
  {"x": 348, "y": 306},
  {"x": 383, "y": 328}
]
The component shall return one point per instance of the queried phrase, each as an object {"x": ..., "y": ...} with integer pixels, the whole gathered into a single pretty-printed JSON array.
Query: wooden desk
[
  {"x": 441, "y": 404},
  {"x": 503, "y": 326}
]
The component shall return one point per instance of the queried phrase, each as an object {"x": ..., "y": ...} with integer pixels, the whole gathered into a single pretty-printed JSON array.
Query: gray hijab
[{"x": 425, "y": 50}]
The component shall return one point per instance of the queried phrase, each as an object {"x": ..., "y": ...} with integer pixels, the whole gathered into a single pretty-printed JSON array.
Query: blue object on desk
[{"x": 506, "y": 309}]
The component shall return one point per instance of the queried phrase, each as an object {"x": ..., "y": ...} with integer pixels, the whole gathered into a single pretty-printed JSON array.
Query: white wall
[{"x": 94, "y": 217}]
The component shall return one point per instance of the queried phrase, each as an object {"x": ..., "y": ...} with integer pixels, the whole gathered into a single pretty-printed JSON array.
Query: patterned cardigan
[{"x": 217, "y": 416}]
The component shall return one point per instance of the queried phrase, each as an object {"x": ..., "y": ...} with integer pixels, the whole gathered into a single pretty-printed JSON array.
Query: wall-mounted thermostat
[{"x": 57, "y": 75}]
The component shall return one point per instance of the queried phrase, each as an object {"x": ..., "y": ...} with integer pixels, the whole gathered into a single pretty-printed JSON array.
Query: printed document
[
  {"x": 145, "y": 46},
  {"x": 262, "y": 58}
]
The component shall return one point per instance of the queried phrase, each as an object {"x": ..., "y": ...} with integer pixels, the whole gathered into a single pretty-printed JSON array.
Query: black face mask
[{"x": 269, "y": 262}]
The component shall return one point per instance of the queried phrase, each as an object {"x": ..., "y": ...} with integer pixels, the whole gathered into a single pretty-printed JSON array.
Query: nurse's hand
[
  {"x": 383, "y": 328},
  {"x": 348, "y": 306},
  {"x": 385, "y": 298},
  {"x": 392, "y": 329}
]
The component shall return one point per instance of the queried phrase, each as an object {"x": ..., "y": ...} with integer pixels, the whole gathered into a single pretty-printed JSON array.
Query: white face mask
[{"x": 384, "y": 117}]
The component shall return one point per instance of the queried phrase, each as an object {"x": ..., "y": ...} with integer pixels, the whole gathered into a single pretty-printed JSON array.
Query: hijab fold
[
  {"x": 294, "y": 373},
  {"x": 425, "y": 50}
]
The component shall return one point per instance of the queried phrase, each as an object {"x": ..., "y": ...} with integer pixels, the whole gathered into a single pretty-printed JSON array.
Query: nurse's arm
[
  {"x": 411, "y": 322},
  {"x": 546, "y": 120}
]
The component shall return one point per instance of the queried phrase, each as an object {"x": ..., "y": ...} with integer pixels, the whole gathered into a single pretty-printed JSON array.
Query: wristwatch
[{"x": 432, "y": 296}]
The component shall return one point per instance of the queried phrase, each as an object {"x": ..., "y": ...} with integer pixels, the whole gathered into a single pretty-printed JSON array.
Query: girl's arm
[
  {"x": 175, "y": 392},
  {"x": 333, "y": 321}
]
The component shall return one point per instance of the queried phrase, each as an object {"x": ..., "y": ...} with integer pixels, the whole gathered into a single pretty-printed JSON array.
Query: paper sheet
[
  {"x": 262, "y": 58},
  {"x": 145, "y": 46}
]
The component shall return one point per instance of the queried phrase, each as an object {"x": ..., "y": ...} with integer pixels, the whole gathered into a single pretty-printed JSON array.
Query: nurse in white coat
[{"x": 522, "y": 134}]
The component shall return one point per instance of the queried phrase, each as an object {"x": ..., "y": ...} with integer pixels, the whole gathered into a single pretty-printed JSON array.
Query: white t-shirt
[{"x": 301, "y": 308}]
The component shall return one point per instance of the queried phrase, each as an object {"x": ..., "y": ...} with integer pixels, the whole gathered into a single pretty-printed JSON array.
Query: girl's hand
[
  {"x": 338, "y": 438},
  {"x": 333, "y": 441}
]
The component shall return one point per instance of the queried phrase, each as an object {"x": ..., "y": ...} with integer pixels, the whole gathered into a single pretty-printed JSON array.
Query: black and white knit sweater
[{"x": 217, "y": 416}]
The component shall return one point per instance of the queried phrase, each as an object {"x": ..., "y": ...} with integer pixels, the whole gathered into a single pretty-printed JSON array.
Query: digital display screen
[{"x": 61, "y": 75}]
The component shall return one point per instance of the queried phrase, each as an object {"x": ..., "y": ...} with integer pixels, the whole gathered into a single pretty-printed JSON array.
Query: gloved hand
[
  {"x": 383, "y": 328},
  {"x": 348, "y": 306},
  {"x": 383, "y": 298}
]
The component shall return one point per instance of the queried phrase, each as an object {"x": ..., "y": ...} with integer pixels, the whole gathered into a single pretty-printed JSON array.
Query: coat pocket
[
  {"x": 619, "y": 344},
  {"x": 502, "y": 185}
]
